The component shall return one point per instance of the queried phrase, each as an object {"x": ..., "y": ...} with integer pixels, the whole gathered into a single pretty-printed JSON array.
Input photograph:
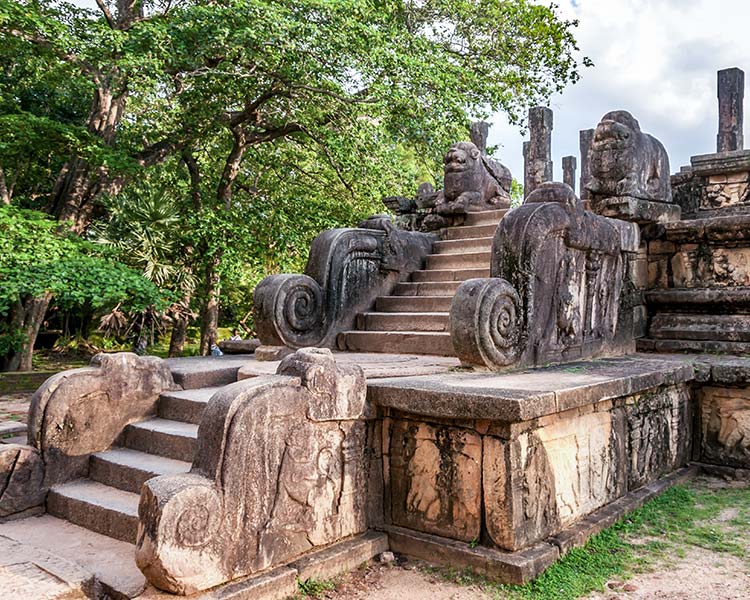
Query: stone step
[
  {"x": 405, "y": 321},
  {"x": 415, "y": 304},
  {"x": 185, "y": 405},
  {"x": 478, "y": 244},
  {"x": 656, "y": 345},
  {"x": 396, "y": 342},
  {"x": 164, "y": 437},
  {"x": 449, "y": 274},
  {"x": 96, "y": 507},
  {"x": 466, "y": 260},
  {"x": 681, "y": 326},
  {"x": 127, "y": 469},
  {"x": 703, "y": 299},
  {"x": 426, "y": 288},
  {"x": 485, "y": 217},
  {"x": 470, "y": 231}
]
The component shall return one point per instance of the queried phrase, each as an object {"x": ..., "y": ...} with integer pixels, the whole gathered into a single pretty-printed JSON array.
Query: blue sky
[{"x": 655, "y": 58}]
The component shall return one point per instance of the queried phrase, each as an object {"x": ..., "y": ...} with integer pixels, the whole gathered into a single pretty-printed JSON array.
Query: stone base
[
  {"x": 636, "y": 210},
  {"x": 281, "y": 583},
  {"x": 524, "y": 565},
  {"x": 269, "y": 353},
  {"x": 239, "y": 346}
]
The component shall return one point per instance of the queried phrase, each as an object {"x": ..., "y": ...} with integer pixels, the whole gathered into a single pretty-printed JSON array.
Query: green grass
[
  {"x": 314, "y": 588},
  {"x": 652, "y": 536}
]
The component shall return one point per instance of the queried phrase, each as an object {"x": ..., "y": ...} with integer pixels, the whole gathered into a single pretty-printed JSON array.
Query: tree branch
[{"x": 106, "y": 13}]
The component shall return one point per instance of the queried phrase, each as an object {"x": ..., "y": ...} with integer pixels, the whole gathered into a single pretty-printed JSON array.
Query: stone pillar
[
  {"x": 478, "y": 133},
  {"x": 585, "y": 138},
  {"x": 537, "y": 165},
  {"x": 731, "y": 91},
  {"x": 569, "y": 165}
]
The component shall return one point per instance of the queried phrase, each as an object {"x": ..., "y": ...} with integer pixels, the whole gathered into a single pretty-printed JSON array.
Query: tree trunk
[
  {"x": 210, "y": 310},
  {"x": 28, "y": 318},
  {"x": 179, "y": 336}
]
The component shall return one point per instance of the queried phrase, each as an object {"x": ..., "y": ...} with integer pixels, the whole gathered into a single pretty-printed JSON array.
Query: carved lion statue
[
  {"x": 473, "y": 181},
  {"x": 624, "y": 161}
]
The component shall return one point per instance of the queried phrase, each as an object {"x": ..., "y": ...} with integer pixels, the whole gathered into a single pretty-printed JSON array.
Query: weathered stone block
[
  {"x": 725, "y": 426},
  {"x": 659, "y": 433},
  {"x": 435, "y": 479}
]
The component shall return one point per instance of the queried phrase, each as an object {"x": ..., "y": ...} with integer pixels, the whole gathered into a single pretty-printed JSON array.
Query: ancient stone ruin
[{"x": 472, "y": 385}]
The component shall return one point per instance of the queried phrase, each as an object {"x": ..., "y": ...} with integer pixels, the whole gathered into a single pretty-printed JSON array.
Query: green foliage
[
  {"x": 37, "y": 258},
  {"x": 314, "y": 588}
]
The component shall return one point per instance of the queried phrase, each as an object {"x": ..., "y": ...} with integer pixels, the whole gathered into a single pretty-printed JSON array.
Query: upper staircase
[{"x": 414, "y": 319}]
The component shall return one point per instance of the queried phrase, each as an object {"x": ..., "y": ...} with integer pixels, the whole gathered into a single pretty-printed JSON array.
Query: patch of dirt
[
  {"x": 403, "y": 581},
  {"x": 700, "y": 575}
]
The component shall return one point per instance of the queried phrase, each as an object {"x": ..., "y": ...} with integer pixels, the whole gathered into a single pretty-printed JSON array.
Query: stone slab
[
  {"x": 12, "y": 428},
  {"x": 239, "y": 346},
  {"x": 375, "y": 365},
  {"x": 340, "y": 557},
  {"x": 76, "y": 558},
  {"x": 206, "y": 371},
  {"x": 638, "y": 210},
  {"x": 277, "y": 584},
  {"x": 508, "y": 567},
  {"x": 529, "y": 394},
  {"x": 721, "y": 162}
]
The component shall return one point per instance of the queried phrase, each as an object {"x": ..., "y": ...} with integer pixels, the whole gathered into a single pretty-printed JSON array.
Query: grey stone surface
[
  {"x": 279, "y": 469},
  {"x": 21, "y": 479},
  {"x": 537, "y": 163},
  {"x": 731, "y": 93},
  {"x": 61, "y": 559},
  {"x": 346, "y": 270},
  {"x": 555, "y": 291},
  {"x": 527, "y": 394}
]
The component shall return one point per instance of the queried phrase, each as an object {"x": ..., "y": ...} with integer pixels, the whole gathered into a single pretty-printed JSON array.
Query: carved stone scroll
[
  {"x": 280, "y": 469},
  {"x": 347, "y": 269},
  {"x": 555, "y": 292}
]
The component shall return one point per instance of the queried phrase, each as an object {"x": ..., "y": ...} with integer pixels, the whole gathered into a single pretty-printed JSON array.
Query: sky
[{"x": 654, "y": 58}]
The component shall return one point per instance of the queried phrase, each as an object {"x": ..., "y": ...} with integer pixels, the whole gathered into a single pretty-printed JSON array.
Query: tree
[
  {"x": 38, "y": 263},
  {"x": 220, "y": 83}
]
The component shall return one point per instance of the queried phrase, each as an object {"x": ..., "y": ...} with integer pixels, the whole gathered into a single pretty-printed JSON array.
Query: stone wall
[
  {"x": 725, "y": 426},
  {"x": 512, "y": 484}
]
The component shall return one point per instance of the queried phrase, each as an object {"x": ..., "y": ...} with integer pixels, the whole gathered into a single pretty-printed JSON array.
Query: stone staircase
[
  {"x": 414, "y": 319},
  {"x": 107, "y": 502}
]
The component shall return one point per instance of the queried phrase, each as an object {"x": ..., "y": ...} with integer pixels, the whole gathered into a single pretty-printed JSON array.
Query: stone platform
[{"x": 498, "y": 473}]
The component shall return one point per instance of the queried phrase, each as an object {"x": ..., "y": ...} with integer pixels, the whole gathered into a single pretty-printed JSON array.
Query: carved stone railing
[
  {"x": 73, "y": 415},
  {"x": 280, "y": 468},
  {"x": 347, "y": 269},
  {"x": 556, "y": 287}
]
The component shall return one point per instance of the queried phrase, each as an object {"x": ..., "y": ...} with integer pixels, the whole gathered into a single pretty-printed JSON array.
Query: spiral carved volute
[{"x": 486, "y": 323}]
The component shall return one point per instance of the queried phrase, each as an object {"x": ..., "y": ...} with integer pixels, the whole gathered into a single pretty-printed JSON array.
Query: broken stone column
[
  {"x": 537, "y": 152},
  {"x": 731, "y": 91},
  {"x": 585, "y": 139},
  {"x": 569, "y": 165}
]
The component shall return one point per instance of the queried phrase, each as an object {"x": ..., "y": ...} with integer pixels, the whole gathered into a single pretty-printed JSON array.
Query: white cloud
[{"x": 656, "y": 58}]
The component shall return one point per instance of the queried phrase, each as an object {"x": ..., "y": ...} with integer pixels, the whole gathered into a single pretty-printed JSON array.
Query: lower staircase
[
  {"x": 107, "y": 502},
  {"x": 414, "y": 320}
]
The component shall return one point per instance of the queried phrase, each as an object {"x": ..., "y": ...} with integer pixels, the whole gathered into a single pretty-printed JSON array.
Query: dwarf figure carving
[
  {"x": 473, "y": 181},
  {"x": 624, "y": 161}
]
